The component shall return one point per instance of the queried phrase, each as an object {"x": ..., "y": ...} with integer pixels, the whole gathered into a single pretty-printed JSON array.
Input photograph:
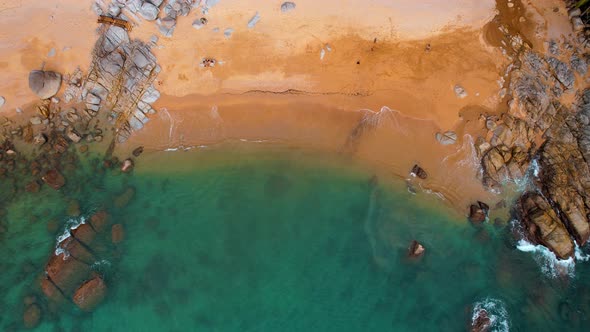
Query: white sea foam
[
  {"x": 499, "y": 320},
  {"x": 550, "y": 265},
  {"x": 182, "y": 148},
  {"x": 71, "y": 224}
]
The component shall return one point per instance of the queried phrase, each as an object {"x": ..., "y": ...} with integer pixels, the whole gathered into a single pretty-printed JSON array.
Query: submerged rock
[
  {"x": 117, "y": 233},
  {"x": 124, "y": 199},
  {"x": 54, "y": 179},
  {"x": 32, "y": 316},
  {"x": 90, "y": 294},
  {"x": 44, "y": 84}
]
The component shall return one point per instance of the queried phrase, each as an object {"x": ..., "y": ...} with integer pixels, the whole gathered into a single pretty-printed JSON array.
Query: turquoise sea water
[{"x": 240, "y": 239}]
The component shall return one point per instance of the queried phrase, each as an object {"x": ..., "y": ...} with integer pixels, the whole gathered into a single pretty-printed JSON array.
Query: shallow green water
[{"x": 242, "y": 240}]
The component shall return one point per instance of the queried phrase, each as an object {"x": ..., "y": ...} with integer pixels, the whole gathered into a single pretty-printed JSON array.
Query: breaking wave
[
  {"x": 499, "y": 320},
  {"x": 71, "y": 224}
]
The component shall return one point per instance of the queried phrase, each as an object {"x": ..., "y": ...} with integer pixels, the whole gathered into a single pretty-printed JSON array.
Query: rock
[
  {"x": 44, "y": 84},
  {"x": 114, "y": 10},
  {"x": 73, "y": 136},
  {"x": 127, "y": 166},
  {"x": 32, "y": 316},
  {"x": 199, "y": 23},
  {"x": 140, "y": 60},
  {"x": 544, "y": 226},
  {"x": 124, "y": 198},
  {"x": 117, "y": 233},
  {"x": 138, "y": 151},
  {"x": 562, "y": 71},
  {"x": 446, "y": 138},
  {"x": 288, "y": 6},
  {"x": 577, "y": 23},
  {"x": 83, "y": 148},
  {"x": 54, "y": 179},
  {"x": 99, "y": 220},
  {"x": 92, "y": 99},
  {"x": 419, "y": 172},
  {"x": 416, "y": 249},
  {"x": 90, "y": 294},
  {"x": 2, "y": 101},
  {"x": 166, "y": 26},
  {"x": 156, "y": 3},
  {"x": 252, "y": 22},
  {"x": 459, "y": 91},
  {"x": 35, "y": 120},
  {"x": 149, "y": 11},
  {"x": 481, "y": 322},
  {"x": 65, "y": 274},
  {"x": 478, "y": 212},
  {"x": 574, "y": 12},
  {"x": 28, "y": 134}
]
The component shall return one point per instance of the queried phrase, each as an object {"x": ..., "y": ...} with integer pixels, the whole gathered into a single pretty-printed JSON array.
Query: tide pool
[{"x": 242, "y": 239}]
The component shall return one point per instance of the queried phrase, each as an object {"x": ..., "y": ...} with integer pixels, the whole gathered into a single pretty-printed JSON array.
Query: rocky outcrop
[
  {"x": 69, "y": 273},
  {"x": 120, "y": 80},
  {"x": 539, "y": 128},
  {"x": 478, "y": 213},
  {"x": 543, "y": 225},
  {"x": 44, "y": 84}
]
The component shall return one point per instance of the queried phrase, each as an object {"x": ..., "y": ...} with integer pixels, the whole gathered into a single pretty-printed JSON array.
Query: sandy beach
[{"x": 306, "y": 77}]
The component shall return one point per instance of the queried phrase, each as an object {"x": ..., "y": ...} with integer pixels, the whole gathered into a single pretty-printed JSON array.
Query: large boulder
[
  {"x": 478, "y": 213},
  {"x": 66, "y": 273},
  {"x": 44, "y": 84},
  {"x": 90, "y": 294},
  {"x": 544, "y": 226},
  {"x": 481, "y": 321},
  {"x": 149, "y": 11}
]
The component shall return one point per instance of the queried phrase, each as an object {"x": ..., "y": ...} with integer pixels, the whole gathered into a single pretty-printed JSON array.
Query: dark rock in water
[
  {"x": 419, "y": 172},
  {"x": 52, "y": 226},
  {"x": 416, "y": 249},
  {"x": 124, "y": 199},
  {"x": 28, "y": 133},
  {"x": 127, "y": 166},
  {"x": 65, "y": 274},
  {"x": 544, "y": 226},
  {"x": 478, "y": 212},
  {"x": 32, "y": 316},
  {"x": 90, "y": 294},
  {"x": 138, "y": 151},
  {"x": 44, "y": 84},
  {"x": 117, "y": 233},
  {"x": 54, "y": 179},
  {"x": 481, "y": 322}
]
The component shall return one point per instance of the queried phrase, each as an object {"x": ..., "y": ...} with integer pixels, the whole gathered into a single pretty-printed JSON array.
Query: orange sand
[{"x": 270, "y": 83}]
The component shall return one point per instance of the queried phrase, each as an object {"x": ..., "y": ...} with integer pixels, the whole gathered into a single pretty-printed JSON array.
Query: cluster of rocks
[
  {"x": 70, "y": 275},
  {"x": 165, "y": 14},
  {"x": 539, "y": 138},
  {"x": 121, "y": 81}
]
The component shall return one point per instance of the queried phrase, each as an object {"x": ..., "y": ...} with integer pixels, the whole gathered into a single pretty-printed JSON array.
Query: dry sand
[{"x": 271, "y": 83}]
